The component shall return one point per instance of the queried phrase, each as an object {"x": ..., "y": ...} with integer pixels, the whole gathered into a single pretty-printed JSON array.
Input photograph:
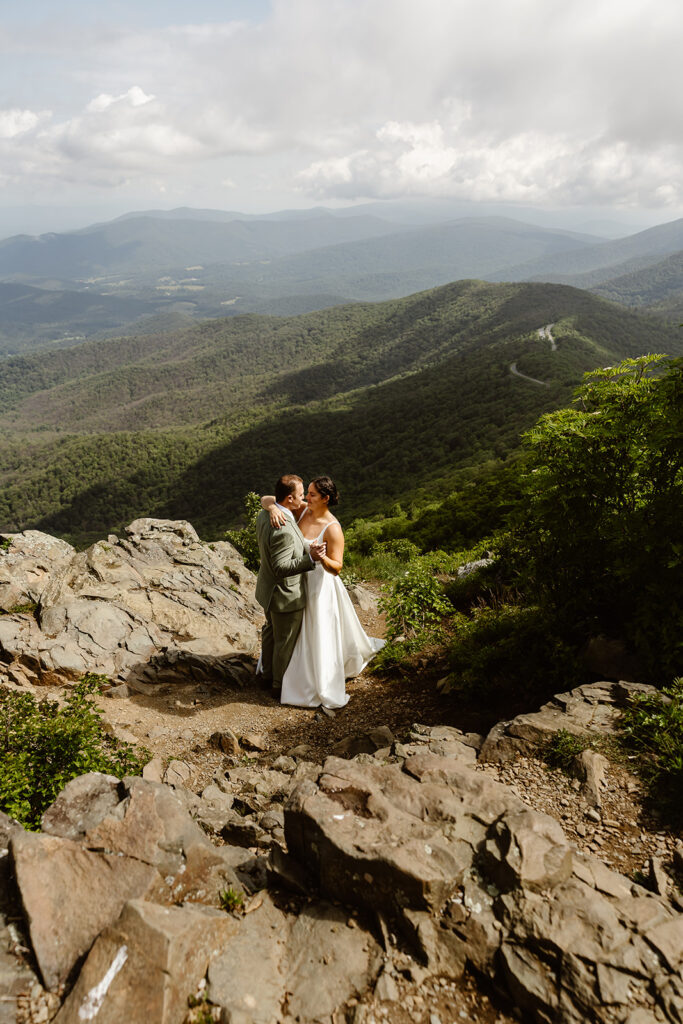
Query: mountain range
[
  {"x": 153, "y": 270},
  {"x": 395, "y": 399}
]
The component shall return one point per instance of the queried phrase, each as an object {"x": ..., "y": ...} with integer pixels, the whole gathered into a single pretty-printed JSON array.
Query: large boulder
[
  {"x": 591, "y": 709},
  {"x": 107, "y": 842},
  {"x": 143, "y": 967},
  {"x": 28, "y": 561},
  {"x": 157, "y": 605},
  {"x": 472, "y": 876}
]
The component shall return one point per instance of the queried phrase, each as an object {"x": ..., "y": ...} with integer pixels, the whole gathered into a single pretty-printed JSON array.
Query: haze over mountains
[{"x": 159, "y": 270}]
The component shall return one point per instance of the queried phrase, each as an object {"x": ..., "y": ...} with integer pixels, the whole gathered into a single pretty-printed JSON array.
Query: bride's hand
[{"x": 277, "y": 517}]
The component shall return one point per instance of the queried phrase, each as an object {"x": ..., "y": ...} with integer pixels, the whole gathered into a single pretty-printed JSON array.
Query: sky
[{"x": 260, "y": 105}]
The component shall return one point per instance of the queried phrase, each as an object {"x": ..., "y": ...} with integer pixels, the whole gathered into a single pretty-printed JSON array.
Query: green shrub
[
  {"x": 509, "y": 654},
  {"x": 231, "y": 900},
  {"x": 244, "y": 540},
  {"x": 562, "y": 748},
  {"x": 599, "y": 534},
  {"x": 414, "y": 602},
  {"x": 652, "y": 728},
  {"x": 43, "y": 746}
]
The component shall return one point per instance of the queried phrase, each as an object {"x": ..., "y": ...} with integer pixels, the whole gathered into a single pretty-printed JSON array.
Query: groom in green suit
[{"x": 285, "y": 556}]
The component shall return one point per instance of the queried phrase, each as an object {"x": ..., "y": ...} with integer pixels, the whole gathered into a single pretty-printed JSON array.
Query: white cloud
[
  {"x": 533, "y": 100},
  {"x": 17, "y": 122}
]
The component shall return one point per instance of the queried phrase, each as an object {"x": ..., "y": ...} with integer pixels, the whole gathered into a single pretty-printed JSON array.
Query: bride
[{"x": 332, "y": 645}]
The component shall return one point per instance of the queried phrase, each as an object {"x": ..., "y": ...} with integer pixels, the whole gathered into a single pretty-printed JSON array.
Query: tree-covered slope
[
  {"x": 392, "y": 399},
  {"x": 658, "y": 288}
]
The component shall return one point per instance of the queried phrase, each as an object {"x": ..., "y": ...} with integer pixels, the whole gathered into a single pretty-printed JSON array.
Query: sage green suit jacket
[{"x": 279, "y": 586}]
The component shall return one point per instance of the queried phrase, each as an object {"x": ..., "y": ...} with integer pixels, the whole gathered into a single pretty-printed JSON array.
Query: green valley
[{"x": 397, "y": 400}]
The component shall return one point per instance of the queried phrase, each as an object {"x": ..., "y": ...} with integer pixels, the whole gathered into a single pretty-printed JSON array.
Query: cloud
[
  {"x": 17, "y": 122},
  {"x": 536, "y": 100}
]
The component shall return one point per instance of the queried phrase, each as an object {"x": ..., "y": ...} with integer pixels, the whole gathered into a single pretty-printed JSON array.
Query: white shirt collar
[{"x": 287, "y": 511}]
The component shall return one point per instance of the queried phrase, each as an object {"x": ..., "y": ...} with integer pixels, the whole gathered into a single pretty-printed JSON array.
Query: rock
[
  {"x": 246, "y": 976},
  {"x": 69, "y": 894},
  {"x": 363, "y": 743},
  {"x": 591, "y": 709},
  {"x": 469, "y": 875},
  {"x": 658, "y": 878},
  {"x": 153, "y": 770},
  {"x": 302, "y": 750},
  {"x": 177, "y": 773},
  {"x": 364, "y": 600},
  {"x": 327, "y": 962},
  {"x": 82, "y": 804},
  {"x": 143, "y": 966},
  {"x": 156, "y": 606},
  {"x": 28, "y": 564},
  {"x": 225, "y": 740},
  {"x": 254, "y": 741},
  {"x": 471, "y": 567},
  {"x": 386, "y": 989},
  {"x": 590, "y": 768},
  {"x": 283, "y": 763}
]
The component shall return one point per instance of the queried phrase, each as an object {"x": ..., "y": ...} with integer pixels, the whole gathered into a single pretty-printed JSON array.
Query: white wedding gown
[{"x": 331, "y": 647}]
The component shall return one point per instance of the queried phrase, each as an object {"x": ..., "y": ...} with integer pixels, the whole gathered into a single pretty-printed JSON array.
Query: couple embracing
[{"x": 312, "y": 640}]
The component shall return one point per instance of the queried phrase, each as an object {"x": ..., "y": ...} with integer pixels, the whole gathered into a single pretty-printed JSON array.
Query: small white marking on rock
[{"x": 93, "y": 1001}]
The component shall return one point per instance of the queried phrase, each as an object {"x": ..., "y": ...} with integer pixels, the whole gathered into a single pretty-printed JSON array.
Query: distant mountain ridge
[{"x": 198, "y": 264}]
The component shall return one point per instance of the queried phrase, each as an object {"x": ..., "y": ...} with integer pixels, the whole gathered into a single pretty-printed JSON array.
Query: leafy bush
[
  {"x": 563, "y": 747},
  {"x": 414, "y": 602},
  {"x": 599, "y": 534},
  {"x": 244, "y": 540},
  {"x": 510, "y": 654},
  {"x": 652, "y": 727},
  {"x": 43, "y": 746}
]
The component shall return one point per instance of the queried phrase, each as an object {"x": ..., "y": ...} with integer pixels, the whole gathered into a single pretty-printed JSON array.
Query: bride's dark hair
[{"x": 326, "y": 486}]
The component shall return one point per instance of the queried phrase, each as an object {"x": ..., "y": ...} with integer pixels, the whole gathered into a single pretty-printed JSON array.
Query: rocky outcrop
[
  {"x": 471, "y": 876},
  {"x": 590, "y": 709},
  {"x": 156, "y": 605},
  {"x": 400, "y": 862}
]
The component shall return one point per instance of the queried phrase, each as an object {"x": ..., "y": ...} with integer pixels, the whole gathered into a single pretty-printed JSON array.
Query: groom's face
[{"x": 297, "y": 498}]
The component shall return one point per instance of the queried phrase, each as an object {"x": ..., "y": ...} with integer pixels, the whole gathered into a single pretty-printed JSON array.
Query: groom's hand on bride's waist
[{"x": 317, "y": 551}]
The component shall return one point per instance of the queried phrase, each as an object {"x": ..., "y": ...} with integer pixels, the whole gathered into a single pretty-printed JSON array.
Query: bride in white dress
[{"x": 332, "y": 645}]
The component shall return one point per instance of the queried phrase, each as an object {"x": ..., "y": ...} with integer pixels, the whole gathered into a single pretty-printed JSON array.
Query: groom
[{"x": 285, "y": 556}]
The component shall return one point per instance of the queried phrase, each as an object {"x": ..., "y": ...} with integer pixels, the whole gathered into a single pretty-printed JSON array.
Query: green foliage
[
  {"x": 231, "y": 899},
  {"x": 652, "y": 727},
  {"x": 414, "y": 602},
  {"x": 509, "y": 654},
  {"x": 599, "y": 537},
  {"x": 397, "y": 400},
  {"x": 5, "y": 543},
  {"x": 43, "y": 746},
  {"x": 563, "y": 747},
  {"x": 28, "y": 608},
  {"x": 245, "y": 539}
]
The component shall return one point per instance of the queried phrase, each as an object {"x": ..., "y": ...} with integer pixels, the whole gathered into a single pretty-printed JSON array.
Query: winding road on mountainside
[{"x": 544, "y": 333}]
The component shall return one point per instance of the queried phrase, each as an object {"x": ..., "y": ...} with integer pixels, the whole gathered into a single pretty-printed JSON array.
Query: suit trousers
[{"x": 278, "y": 639}]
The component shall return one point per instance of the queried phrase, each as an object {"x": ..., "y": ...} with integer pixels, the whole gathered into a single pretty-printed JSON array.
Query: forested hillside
[{"x": 394, "y": 399}]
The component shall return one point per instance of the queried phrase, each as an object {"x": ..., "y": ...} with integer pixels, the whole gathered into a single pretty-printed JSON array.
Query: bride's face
[{"x": 315, "y": 500}]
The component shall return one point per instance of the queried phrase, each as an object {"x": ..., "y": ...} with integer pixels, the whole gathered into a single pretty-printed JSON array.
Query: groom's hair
[{"x": 286, "y": 485}]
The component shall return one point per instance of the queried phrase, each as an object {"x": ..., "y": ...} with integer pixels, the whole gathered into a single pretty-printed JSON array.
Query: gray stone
[
  {"x": 247, "y": 976},
  {"x": 82, "y": 804},
  {"x": 177, "y": 773},
  {"x": 69, "y": 894},
  {"x": 590, "y": 769},
  {"x": 143, "y": 967},
  {"x": 225, "y": 740},
  {"x": 327, "y": 962},
  {"x": 158, "y": 606},
  {"x": 363, "y": 599}
]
